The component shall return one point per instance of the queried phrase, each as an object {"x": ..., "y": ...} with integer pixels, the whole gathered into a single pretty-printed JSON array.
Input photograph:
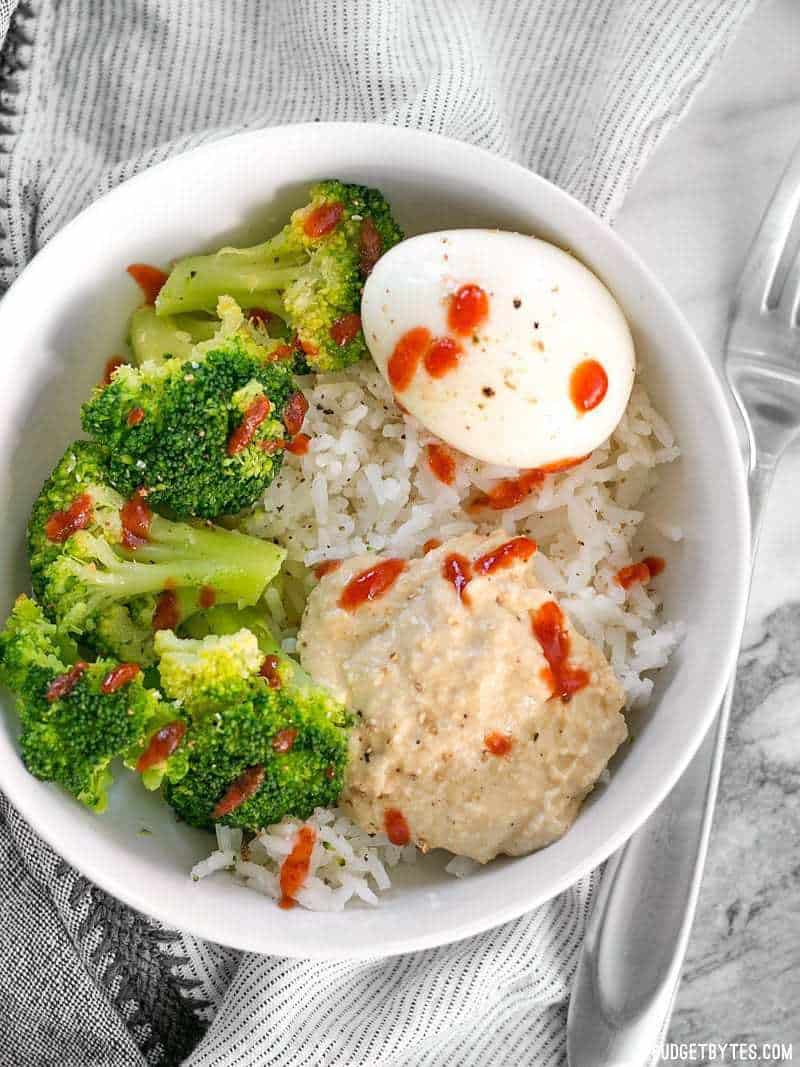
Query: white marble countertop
[{"x": 692, "y": 214}]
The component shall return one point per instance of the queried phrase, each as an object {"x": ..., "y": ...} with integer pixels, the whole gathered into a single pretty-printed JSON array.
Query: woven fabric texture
[{"x": 93, "y": 91}]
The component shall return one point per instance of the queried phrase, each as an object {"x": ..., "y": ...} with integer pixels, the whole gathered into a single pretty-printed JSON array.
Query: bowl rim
[{"x": 27, "y": 800}]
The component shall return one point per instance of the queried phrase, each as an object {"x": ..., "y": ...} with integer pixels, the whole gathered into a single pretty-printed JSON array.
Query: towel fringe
[
  {"x": 14, "y": 63},
  {"x": 130, "y": 960}
]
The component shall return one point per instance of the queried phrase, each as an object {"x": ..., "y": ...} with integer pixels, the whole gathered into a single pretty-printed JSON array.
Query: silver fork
[{"x": 638, "y": 932}]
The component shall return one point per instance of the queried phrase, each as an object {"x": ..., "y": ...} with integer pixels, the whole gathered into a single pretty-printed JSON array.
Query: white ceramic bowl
[{"x": 66, "y": 315}]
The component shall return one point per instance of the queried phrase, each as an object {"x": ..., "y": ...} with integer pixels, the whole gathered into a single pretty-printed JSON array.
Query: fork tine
[{"x": 767, "y": 248}]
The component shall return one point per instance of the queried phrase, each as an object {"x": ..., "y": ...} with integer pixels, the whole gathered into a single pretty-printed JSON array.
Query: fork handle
[
  {"x": 637, "y": 935},
  {"x": 639, "y": 929}
]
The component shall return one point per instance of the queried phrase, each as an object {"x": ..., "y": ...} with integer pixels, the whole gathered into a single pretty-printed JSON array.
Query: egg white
[{"x": 508, "y": 400}]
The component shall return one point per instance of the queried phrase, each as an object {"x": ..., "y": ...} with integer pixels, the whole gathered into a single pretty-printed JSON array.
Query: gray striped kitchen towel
[{"x": 92, "y": 91}]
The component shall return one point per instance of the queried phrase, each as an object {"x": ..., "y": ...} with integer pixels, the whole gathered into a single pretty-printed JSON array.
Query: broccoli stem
[
  {"x": 253, "y": 276},
  {"x": 126, "y": 580},
  {"x": 277, "y": 247},
  {"x": 152, "y": 337},
  {"x": 225, "y": 548},
  {"x": 179, "y": 555},
  {"x": 224, "y": 619}
]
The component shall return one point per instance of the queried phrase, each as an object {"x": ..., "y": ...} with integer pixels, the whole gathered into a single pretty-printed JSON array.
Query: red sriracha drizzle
[
  {"x": 295, "y": 868},
  {"x": 65, "y": 683},
  {"x": 561, "y": 465},
  {"x": 166, "y": 615},
  {"x": 548, "y": 628},
  {"x": 280, "y": 354},
  {"x": 345, "y": 329},
  {"x": 396, "y": 827},
  {"x": 323, "y": 219},
  {"x": 119, "y": 676},
  {"x": 308, "y": 347},
  {"x": 135, "y": 516},
  {"x": 431, "y": 544},
  {"x": 588, "y": 385},
  {"x": 441, "y": 463},
  {"x": 294, "y": 413},
  {"x": 640, "y": 572},
  {"x": 457, "y": 570},
  {"x": 246, "y": 430},
  {"x": 510, "y": 491},
  {"x": 406, "y": 357},
  {"x": 63, "y": 524},
  {"x": 505, "y": 555},
  {"x": 149, "y": 279},
  {"x": 298, "y": 445},
  {"x": 111, "y": 365},
  {"x": 271, "y": 444},
  {"x": 442, "y": 356},
  {"x": 498, "y": 744},
  {"x": 259, "y": 317},
  {"x": 161, "y": 745},
  {"x": 241, "y": 789},
  {"x": 469, "y": 307},
  {"x": 370, "y": 246},
  {"x": 328, "y": 566},
  {"x": 371, "y": 584},
  {"x": 269, "y": 671},
  {"x": 284, "y": 740}
]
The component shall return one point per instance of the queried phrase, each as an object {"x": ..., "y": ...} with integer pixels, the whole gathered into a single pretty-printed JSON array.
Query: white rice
[
  {"x": 365, "y": 485},
  {"x": 345, "y": 864}
]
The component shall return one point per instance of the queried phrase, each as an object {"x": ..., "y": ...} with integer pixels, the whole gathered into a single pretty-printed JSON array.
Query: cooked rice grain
[
  {"x": 346, "y": 863},
  {"x": 365, "y": 485}
]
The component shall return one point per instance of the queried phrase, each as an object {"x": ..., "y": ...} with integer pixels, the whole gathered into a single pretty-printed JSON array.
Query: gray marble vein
[
  {"x": 692, "y": 216},
  {"x": 742, "y": 979}
]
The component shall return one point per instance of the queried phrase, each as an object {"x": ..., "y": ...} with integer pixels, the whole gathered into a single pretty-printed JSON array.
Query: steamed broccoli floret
[
  {"x": 224, "y": 619},
  {"x": 111, "y": 581},
  {"x": 160, "y": 754},
  {"x": 75, "y": 718},
  {"x": 189, "y": 666},
  {"x": 155, "y": 338},
  {"x": 82, "y": 465},
  {"x": 31, "y": 648},
  {"x": 259, "y": 745},
  {"x": 203, "y": 435},
  {"x": 311, "y": 274}
]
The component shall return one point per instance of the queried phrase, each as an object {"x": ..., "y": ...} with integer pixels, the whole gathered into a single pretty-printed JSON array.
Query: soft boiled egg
[{"x": 504, "y": 346}]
